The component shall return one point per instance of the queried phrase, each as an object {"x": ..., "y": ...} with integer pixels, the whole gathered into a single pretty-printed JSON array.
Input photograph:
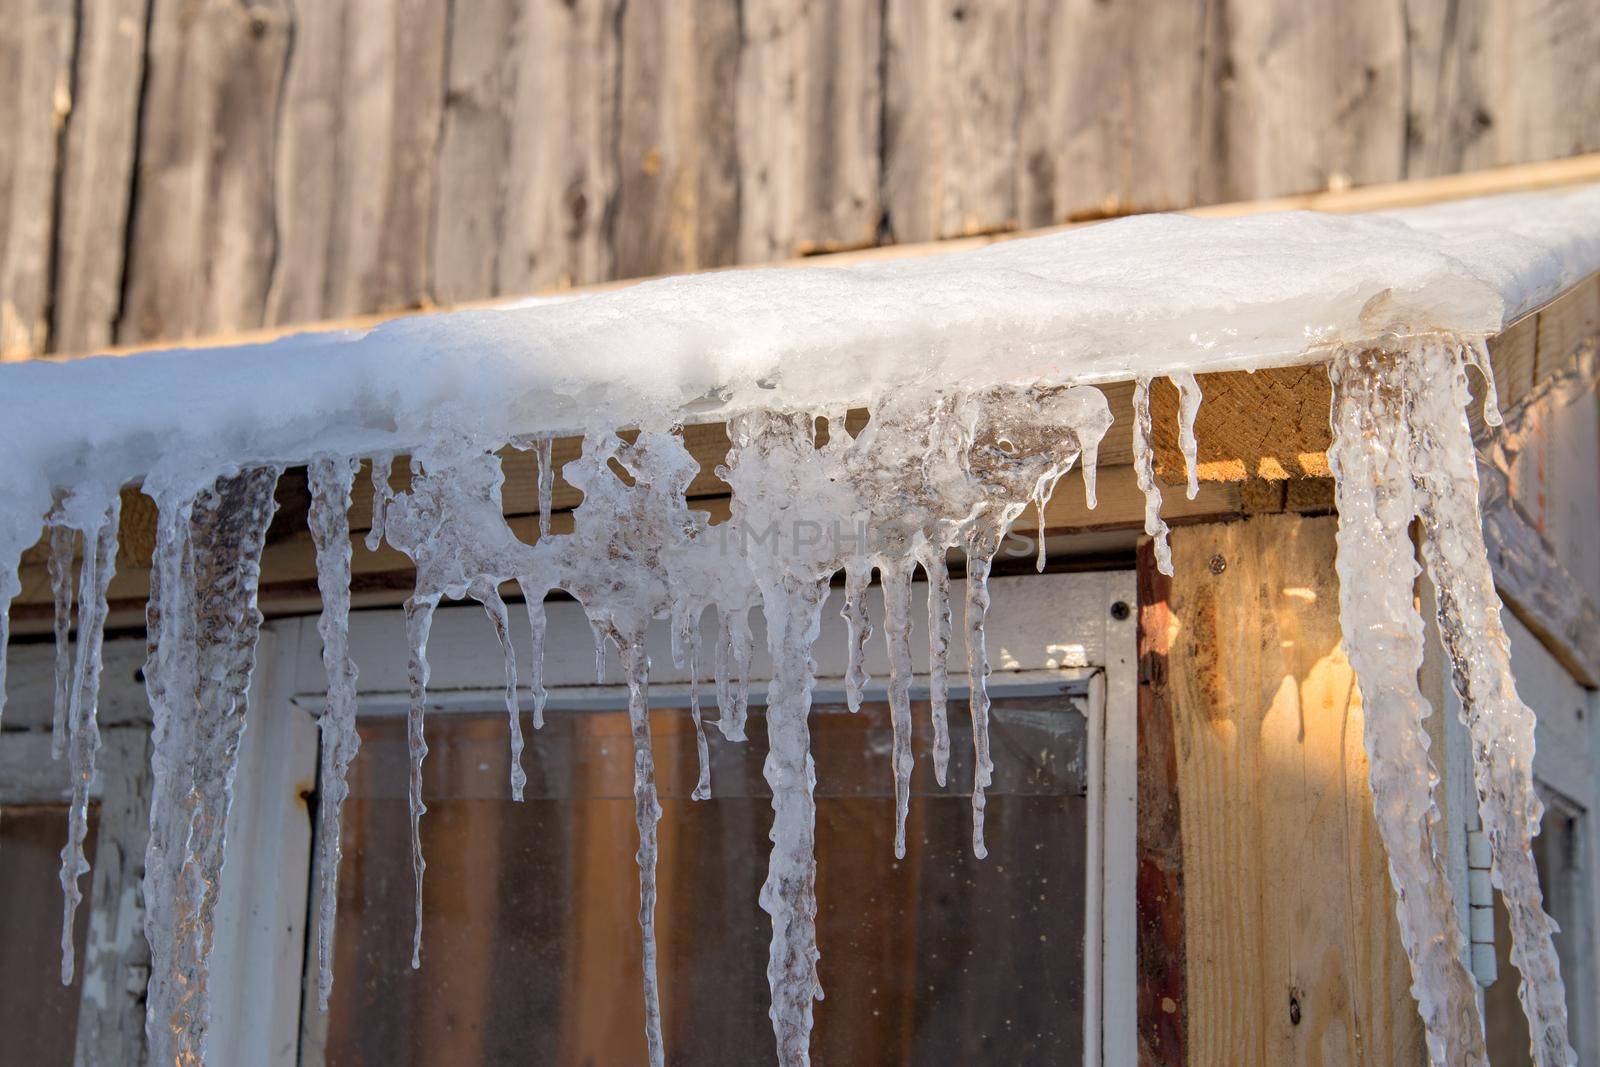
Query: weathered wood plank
[
  {"x": 1289, "y": 927},
  {"x": 677, "y": 202},
  {"x": 203, "y": 243},
  {"x": 97, "y": 175},
  {"x": 562, "y": 175},
  {"x": 36, "y": 57},
  {"x": 1163, "y": 965},
  {"x": 951, "y": 107},
  {"x": 809, "y": 128},
  {"x": 1107, "y": 123},
  {"x": 363, "y": 107},
  {"x": 1303, "y": 96}
]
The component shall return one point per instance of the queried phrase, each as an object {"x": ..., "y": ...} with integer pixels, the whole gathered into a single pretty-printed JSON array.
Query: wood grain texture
[
  {"x": 97, "y": 174},
  {"x": 36, "y": 59},
  {"x": 1163, "y": 965},
  {"x": 1289, "y": 929},
  {"x": 202, "y": 243},
  {"x": 809, "y": 128}
]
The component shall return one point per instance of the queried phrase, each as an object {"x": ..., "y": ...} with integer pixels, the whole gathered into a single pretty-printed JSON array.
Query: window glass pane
[
  {"x": 38, "y": 1015},
  {"x": 531, "y": 942}
]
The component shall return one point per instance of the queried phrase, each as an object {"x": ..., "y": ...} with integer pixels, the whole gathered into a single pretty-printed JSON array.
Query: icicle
[
  {"x": 536, "y": 625},
  {"x": 647, "y": 813},
  {"x": 1383, "y": 634},
  {"x": 980, "y": 548},
  {"x": 1188, "y": 408},
  {"x": 1500, "y": 724},
  {"x": 1089, "y": 460},
  {"x": 484, "y": 592},
  {"x": 794, "y": 615},
  {"x": 419, "y": 620},
  {"x": 330, "y": 482},
  {"x": 1038, "y": 506},
  {"x": 857, "y": 576},
  {"x": 547, "y": 481},
  {"x": 933, "y": 565},
  {"x": 82, "y": 727},
  {"x": 599, "y": 653},
  {"x": 732, "y": 672},
  {"x": 1144, "y": 467},
  {"x": 897, "y": 634},
  {"x": 382, "y": 494},
  {"x": 1476, "y": 354},
  {"x": 203, "y": 626},
  {"x": 63, "y": 544},
  {"x": 686, "y": 652}
]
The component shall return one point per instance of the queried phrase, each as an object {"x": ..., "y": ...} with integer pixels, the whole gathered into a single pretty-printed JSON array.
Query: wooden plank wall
[
  {"x": 177, "y": 168},
  {"x": 1251, "y": 734}
]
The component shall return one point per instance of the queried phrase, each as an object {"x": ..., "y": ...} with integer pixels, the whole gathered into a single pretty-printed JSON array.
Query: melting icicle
[
  {"x": 63, "y": 544},
  {"x": 1383, "y": 633},
  {"x": 536, "y": 625},
  {"x": 686, "y": 653},
  {"x": 1476, "y": 354},
  {"x": 897, "y": 634},
  {"x": 857, "y": 577},
  {"x": 732, "y": 672},
  {"x": 1188, "y": 408},
  {"x": 330, "y": 482},
  {"x": 1444, "y": 467},
  {"x": 547, "y": 481},
  {"x": 203, "y": 624},
  {"x": 1038, "y": 506},
  {"x": 647, "y": 813},
  {"x": 1144, "y": 467},
  {"x": 934, "y": 566},
  {"x": 419, "y": 620},
  {"x": 484, "y": 592},
  {"x": 980, "y": 549},
  {"x": 82, "y": 728},
  {"x": 382, "y": 495}
]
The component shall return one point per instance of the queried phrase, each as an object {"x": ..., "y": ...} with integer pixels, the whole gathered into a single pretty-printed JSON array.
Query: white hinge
[{"x": 1480, "y": 908}]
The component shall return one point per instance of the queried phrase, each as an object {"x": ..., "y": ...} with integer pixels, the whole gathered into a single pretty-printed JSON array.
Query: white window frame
[{"x": 1042, "y": 630}]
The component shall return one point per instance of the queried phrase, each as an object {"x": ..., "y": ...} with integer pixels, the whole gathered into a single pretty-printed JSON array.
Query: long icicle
[
  {"x": 63, "y": 545},
  {"x": 1144, "y": 468},
  {"x": 897, "y": 635},
  {"x": 688, "y": 640},
  {"x": 932, "y": 558},
  {"x": 1188, "y": 408},
  {"x": 83, "y": 730},
  {"x": 204, "y": 623},
  {"x": 547, "y": 481},
  {"x": 980, "y": 547},
  {"x": 419, "y": 620},
  {"x": 534, "y": 601},
  {"x": 1500, "y": 724},
  {"x": 857, "y": 577},
  {"x": 647, "y": 813},
  {"x": 1383, "y": 634},
  {"x": 794, "y": 615},
  {"x": 484, "y": 592},
  {"x": 330, "y": 482}
]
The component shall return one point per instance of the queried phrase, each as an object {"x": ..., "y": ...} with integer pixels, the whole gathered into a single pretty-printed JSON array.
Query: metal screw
[
  {"x": 1218, "y": 564},
  {"x": 1119, "y": 610}
]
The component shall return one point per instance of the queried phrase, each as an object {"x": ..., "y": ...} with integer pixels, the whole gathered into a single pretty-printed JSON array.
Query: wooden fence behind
[{"x": 175, "y": 168}]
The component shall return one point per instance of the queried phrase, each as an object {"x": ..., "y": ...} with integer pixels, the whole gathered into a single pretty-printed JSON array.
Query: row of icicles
[{"x": 925, "y": 476}]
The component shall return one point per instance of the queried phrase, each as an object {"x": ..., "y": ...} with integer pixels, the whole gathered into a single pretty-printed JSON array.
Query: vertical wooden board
[
  {"x": 472, "y": 150},
  {"x": 364, "y": 103},
  {"x": 952, "y": 100},
  {"x": 678, "y": 197},
  {"x": 809, "y": 117},
  {"x": 1537, "y": 66},
  {"x": 1309, "y": 96},
  {"x": 97, "y": 175},
  {"x": 1108, "y": 121},
  {"x": 561, "y": 182},
  {"x": 1446, "y": 113},
  {"x": 1290, "y": 934},
  {"x": 1162, "y": 964},
  {"x": 36, "y": 56},
  {"x": 202, "y": 246}
]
